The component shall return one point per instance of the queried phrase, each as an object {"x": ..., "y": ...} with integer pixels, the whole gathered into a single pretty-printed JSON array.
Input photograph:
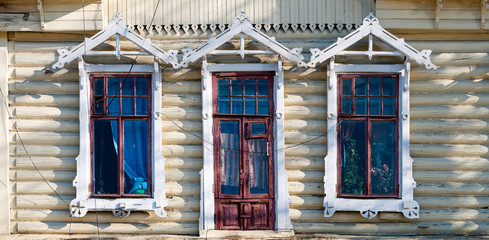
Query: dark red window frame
[
  {"x": 368, "y": 118},
  {"x": 120, "y": 119}
]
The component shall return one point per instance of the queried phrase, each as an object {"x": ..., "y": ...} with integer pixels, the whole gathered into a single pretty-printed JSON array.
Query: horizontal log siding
[{"x": 449, "y": 144}]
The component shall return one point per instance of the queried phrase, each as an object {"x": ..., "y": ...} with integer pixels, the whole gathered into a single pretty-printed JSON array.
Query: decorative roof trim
[
  {"x": 117, "y": 26},
  {"x": 371, "y": 27},
  {"x": 242, "y": 25}
]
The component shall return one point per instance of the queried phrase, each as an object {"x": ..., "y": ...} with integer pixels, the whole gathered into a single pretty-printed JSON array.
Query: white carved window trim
[
  {"x": 121, "y": 207},
  {"x": 282, "y": 198}
]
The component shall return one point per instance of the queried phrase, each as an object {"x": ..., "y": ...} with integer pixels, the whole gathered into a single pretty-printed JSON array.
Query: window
[
  {"x": 367, "y": 134},
  {"x": 121, "y": 135}
]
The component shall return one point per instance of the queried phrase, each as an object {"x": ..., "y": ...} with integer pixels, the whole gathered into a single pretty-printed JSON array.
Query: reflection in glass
[
  {"x": 382, "y": 157},
  {"x": 346, "y": 87},
  {"x": 236, "y": 105},
  {"x": 127, "y": 86},
  {"x": 389, "y": 86},
  {"x": 361, "y": 86},
  {"x": 229, "y": 150},
  {"x": 127, "y": 106},
  {"x": 346, "y": 104},
  {"x": 141, "y": 106},
  {"x": 389, "y": 106},
  {"x": 105, "y": 160},
  {"x": 99, "y": 105},
  {"x": 258, "y": 166},
  {"x": 99, "y": 86},
  {"x": 262, "y": 105},
  {"x": 223, "y": 87},
  {"x": 236, "y": 87},
  {"x": 374, "y": 86},
  {"x": 250, "y": 107},
  {"x": 249, "y": 86},
  {"x": 374, "y": 107},
  {"x": 113, "y": 106},
  {"x": 352, "y": 157},
  {"x": 258, "y": 128},
  {"x": 360, "y": 105},
  {"x": 141, "y": 87},
  {"x": 113, "y": 86},
  {"x": 136, "y": 157},
  {"x": 223, "y": 105},
  {"x": 262, "y": 87}
]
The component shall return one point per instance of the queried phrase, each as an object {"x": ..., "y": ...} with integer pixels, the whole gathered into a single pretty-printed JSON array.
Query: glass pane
[
  {"x": 141, "y": 106},
  {"x": 389, "y": 106},
  {"x": 236, "y": 87},
  {"x": 250, "y": 105},
  {"x": 223, "y": 105},
  {"x": 360, "y": 105},
  {"x": 127, "y": 106},
  {"x": 262, "y": 105},
  {"x": 374, "y": 86},
  {"x": 258, "y": 128},
  {"x": 237, "y": 105},
  {"x": 99, "y": 86},
  {"x": 142, "y": 86},
  {"x": 346, "y": 104},
  {"x": 250, "y": 87},
  {"x": 346, "y": 87},
  {"x": 127, "y": 86},
  {"x": 262, "y": 87},
  {"x": 352, "y": 159},
  {"x": 136, "y": 152},
  {"x": 258, "y": 166},
  {"x": 99, "y": 105},
  {"x": 383, "y": 157},
  {"x": 113, "y": 86},
  {"x": 374, "y": 107},
  {"x": 229, "y": 157},
  {"x": 361, "y": 86},
  {"x": 223, "y": 87},
  {"x": 105, "y": 160},
  {"x": 113, "y": 106},
  {"x": 389, "y": 86}
]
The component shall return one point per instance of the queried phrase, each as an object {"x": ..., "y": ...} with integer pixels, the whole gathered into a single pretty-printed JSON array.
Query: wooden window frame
[
  {"x": 367, "y": 119},
  {"x": 120, "y": 130}
]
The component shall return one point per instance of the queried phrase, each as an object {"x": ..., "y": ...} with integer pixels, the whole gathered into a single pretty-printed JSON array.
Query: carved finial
[
  {"x": 370, "y": 19},
  {"x": 241, "y": 17},
  {"x": 117, "y": 18}
]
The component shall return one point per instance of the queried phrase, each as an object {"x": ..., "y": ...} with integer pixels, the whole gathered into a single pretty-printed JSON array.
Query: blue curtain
[{"x": 136, "y": 153}]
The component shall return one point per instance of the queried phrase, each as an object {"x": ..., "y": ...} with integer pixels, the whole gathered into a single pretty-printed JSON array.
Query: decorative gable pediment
[
  {"x": 117, "y": 27},
  {"x": 370, "y": 28},
  {"x": 241, "y": 26}
]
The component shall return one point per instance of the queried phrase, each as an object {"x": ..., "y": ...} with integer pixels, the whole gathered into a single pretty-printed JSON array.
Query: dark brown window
[
  {"x": 368, "y": 136},
  {"x": 120, "y": 128}
]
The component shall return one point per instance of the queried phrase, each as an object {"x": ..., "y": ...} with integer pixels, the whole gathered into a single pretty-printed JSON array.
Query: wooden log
[
  {"x": 41, "y": 201},
  {"x": 43, "y": 163},
  {"x": 171, "y": 151},
  {"x": 51, "y": 151},
  {"x": 40, "y": 87},
  {"x": 42, "y": 188},
  {"x": 306, "y": 202},
  {"x": 46, "y": 125},
  {"x": 182, "y": 188},
  {"x": 317, "y": 215},
  {"x": 449, "y": 125},
  {"x": 183, "y": 100},
  {"x": 187, "y": 203},
  {"x": 183, "y": 163},
  {"x": 182, "y": 175},
  {"x": 31, "y": 227},
  {"x": 449, "y": 112},
  {"x": 173, "y": 86},
  {"x": 452, "y": 202},
  {"x": 449, "y": 138},
  {"x": 51, "y": 46},
  {"x": 451, "y": 164},
  {"x": 305, "y": 137},
  {"x": 182, "y": 138},
  {"x": 452, "y": 176},
  {"x": 305, "y": 112},
  {"x": 38, "y": 73},
  {"x": 441, "y": 215},
  {"x": 450, "y": 189},
  {"x": 457, "y": 59},
  {"x": 45, "y": 112},
  {"x": 45, "y": 138},
  {"x": 305, "y": 150},
  {"x": 294, "y": 72},
  {"x": 448, "y": 150},
  {"x": 449, "y": 99},
  {"x": 305, "y": 100},
  {"x": 181, "y": 113},
  {"x": 49, "y": 175},
  {"x": 44, "y": 100},
  {"x": 188, "y": 73},
  {"x": 177, "y": 125},
  {"x": 304, "y": 163},
  {"x": 455, "y": 72},
  {"x": 306, "y": 188},
  {"x": 448, "y": 86},
  {"x": 305, "y": 176},
  {"x": 304, "y": 86}
]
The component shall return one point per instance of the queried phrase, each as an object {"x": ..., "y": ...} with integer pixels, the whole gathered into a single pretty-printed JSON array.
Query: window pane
[
  {"x": 346, "y": 87},
  {"x": 360, "y": 105},
  {"x": 113, "y": 86},
  {"x": 113, "y": 106},
  {"x": 99, "y": 86},
  {"x": 127, "y": 106},
  {"x": 389, "y": 106},
  {"x": 250, "y": 105},
  {"x": 262, "y": 105},
  {"x": 229, "y": 157},
  {"x": 99, "y": 105},
  {"x": 223, "y": 105},
  {"x": 236, "y": 87},
  {"x": 383, "y": 157},
  {"x": 258, "y": 128},
  {"x": 136, "y": 152},
  {"x": 352, "y": 141},
  {"x": 346, "y": 104},
  {"x": 237, "y": 105},
  {"x": 105, "y": 161},
  {"x": 361, "y": 86},
  {"x": 127, "y": 86},
  {"x": 374, "y": 86},
  {"x": 223, "y": 87},
  {"x": 262, "y": 87},
  {"x": 141, "y": 86},
  {"x": 141, "y": 106},
  {"x": 374, "y": 107},
  {"x": 389, "y": 86},
  {"x": 250, "y": 87},
  {"x": 258, "y": 166}
]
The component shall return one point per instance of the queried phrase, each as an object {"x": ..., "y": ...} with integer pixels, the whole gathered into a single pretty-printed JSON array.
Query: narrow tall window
[
  {"x": 121, "y": 135},
  {"x": 368, "y": 135}
]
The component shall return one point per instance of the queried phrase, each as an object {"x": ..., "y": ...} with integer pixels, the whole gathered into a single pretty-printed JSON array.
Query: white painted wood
[
  {"x": 4, "y": 143},
  {"x": 282, "y": 198},
  {"x": 83, "y": 201}
]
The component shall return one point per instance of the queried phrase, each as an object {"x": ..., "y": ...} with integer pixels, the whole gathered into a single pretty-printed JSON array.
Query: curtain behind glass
[
  {"x": 136, "y": 153},
  {"x": 258, "y": 166},
  {"x": 230, "y": 153},
  {"x": 106, "y": 177}
]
